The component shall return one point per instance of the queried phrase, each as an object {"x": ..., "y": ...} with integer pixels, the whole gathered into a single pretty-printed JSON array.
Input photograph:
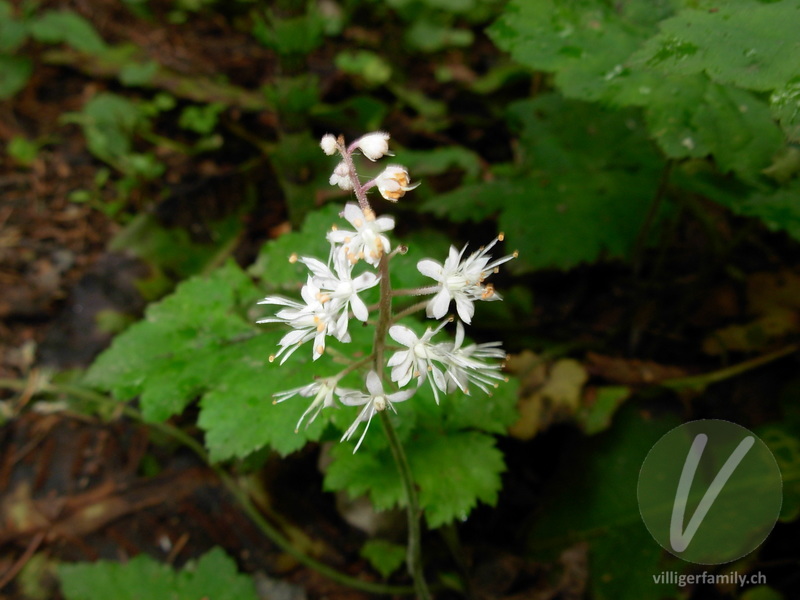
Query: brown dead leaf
[
  {"x": 627, "y": 371},
  {"x": 773, "y": 299},
  {"x": 548, "y": 393}
]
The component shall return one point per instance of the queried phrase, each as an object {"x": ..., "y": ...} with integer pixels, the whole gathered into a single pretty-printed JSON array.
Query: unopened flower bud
[
  {"x": 341, "y": 177},
  {"x": 374, "y": 145},
  {"x": 394, "y": 182},
  {"x": 328, "y": 144}
]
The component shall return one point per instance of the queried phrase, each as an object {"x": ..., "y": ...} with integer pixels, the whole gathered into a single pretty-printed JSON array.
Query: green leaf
[
  {"x": 213, "y": 576},
  {"x": 385, "y": 557},
  {"x": 741, "y": 133},
  {"x": 493, "y": 413},
  {"x": 453, "y": 472},
  {"x": 785, "y": 105},
  {"x": 138, "y": 74},
  {"x": 197, "y": 344},
  {"x": 368, "y": 65},
  {"x": 692, "y": 117},
  {"x": 782, "y": 440},
  {"x": 608, "y": 399},
  {"x": 440, "y": 160},
  {"x": 109, "y": 122},
  {"x": 292, "y": 35},
  {"x": 429, "y": 36},
  {"x": 594, "y": 500},
  {"x": 761, "y": 592},
  {"x": 585, "y": 42},
  {"x": 201, "y": 119},
  {"x": 553, "y": 217},
  {"x": 22, "y": 150},
  {"x": 14, "y": 74},
  {"x": 777, "y": 208},
  {"x": 742, "y": 42},
  {"x": 273, "y": 266},
  {"x": 55, "y": 27},
  {"x": 562, "y": 223},
  {"x": 13, "y": 33}
]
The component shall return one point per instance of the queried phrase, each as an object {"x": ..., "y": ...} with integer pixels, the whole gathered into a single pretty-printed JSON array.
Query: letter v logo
[
  {"x": 679, "y": 539},
  {"x": 710, "y": 491}
]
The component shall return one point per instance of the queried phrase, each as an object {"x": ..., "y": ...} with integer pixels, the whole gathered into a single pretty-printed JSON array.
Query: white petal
[
  {"x": 374, "y": 385},
  {"x": 317, "y": 267},
  {"x": 430, "y": 268},
  {"x": 403, "y": 335},
  {"x": 401, "y": 396},
  {"x": 438, "y": 305},
  {"x": 384, "y": 224},
  {"x": 352, "y": 213},
  {"x": 360, "y": 311},
  {"x": 465, "y": 308},
  {"x": 355, "y": 399},
  {"x": 398, "y": 358}
]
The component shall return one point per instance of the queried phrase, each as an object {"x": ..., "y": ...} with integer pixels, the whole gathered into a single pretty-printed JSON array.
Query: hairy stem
[
  {"x": 414, "y": 549},
  {"x": 360, "y": 190},
  {"x": 413, "y": 512}
]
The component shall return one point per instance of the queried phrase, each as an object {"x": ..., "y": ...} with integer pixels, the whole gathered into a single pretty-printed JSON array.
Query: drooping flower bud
[
  {"x": 374, "y": 145},
  {"x": 328, "y": 144},
  {"x": 394, "y": 182}
]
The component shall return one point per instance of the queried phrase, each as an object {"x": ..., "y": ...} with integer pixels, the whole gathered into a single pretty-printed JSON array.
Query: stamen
[
  {"x": 293, "y": 257},
  {"x": 501, "y": 236}
]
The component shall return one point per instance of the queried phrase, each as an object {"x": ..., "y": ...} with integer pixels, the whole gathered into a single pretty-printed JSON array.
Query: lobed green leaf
[{"x": 214, "y": 575}]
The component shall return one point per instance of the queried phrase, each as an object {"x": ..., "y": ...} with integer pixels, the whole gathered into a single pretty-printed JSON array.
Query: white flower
[
  {"x": 340, "y": 286},
  {"x": 322, "y": 391},
  {"x": 468, "y": 364},
  {"x": 341, "y": 177},
  {"x": 374, "y": 145},
  {"x": 373, "y": 402},
  {"x": 367, "y": 241},
  {"x": 417, "y": 360},
  {"x": 313, "y": 320},
  {"x": 328, "y": 144},
  {"x": 462, "y": 280},
  {"x": 394, "y": 182}
]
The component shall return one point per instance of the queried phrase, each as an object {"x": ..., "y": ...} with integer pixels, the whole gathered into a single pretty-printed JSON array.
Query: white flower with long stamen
[
  {"x": 341, "y": 286},
  {"x": 417, "y": 360},
  {"x": 374, "y": 145},
  {"x": 322, "y": 391},
  {"x": 367, "y": 242},
  {"x": 394, "y": 182},
  {"x": 310, "y": 321},
  {"x": 465, "y": 364},
  {"x": 375, "y": 401},
  {"x": 462, "y": 279}
]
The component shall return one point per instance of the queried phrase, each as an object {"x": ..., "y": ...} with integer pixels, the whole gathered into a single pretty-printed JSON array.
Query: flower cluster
[{"x": 330, "y": 297}]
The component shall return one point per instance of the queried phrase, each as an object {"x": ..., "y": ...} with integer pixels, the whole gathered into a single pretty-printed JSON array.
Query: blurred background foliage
[{"x": 642, "y": 156}]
